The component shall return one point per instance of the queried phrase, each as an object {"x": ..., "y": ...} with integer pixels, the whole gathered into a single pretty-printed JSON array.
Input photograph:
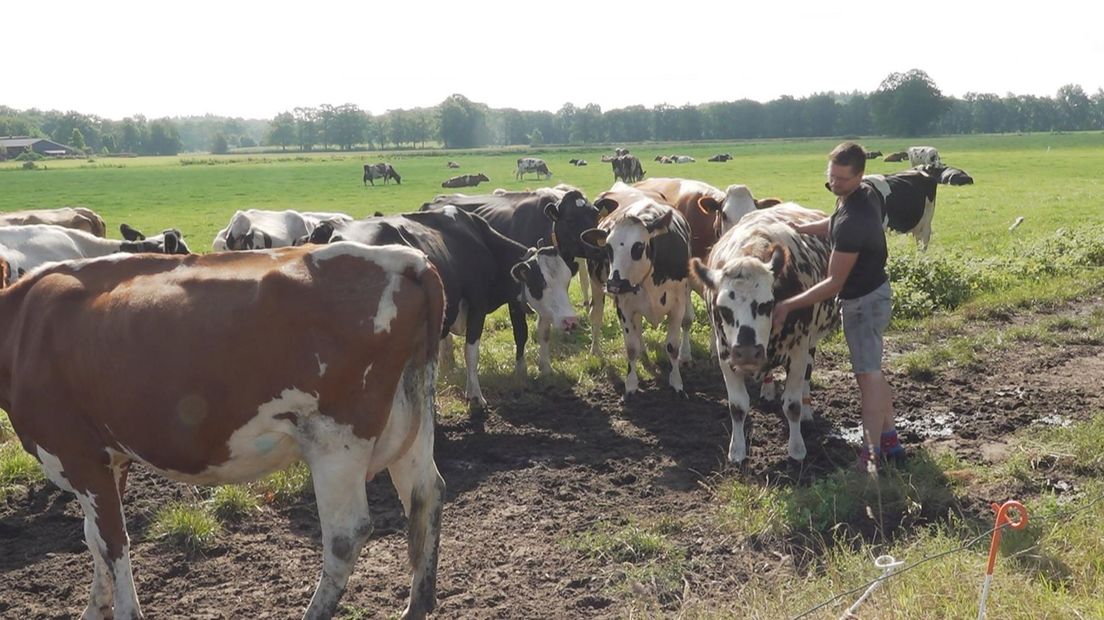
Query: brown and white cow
[
  {"x": 79, "y": 218},
  {"x": 896, "y": 156},
  {"x": 761, "y": 260},
  {"x": 347, "y": 384},
  {"x": 381, "y": 170}
]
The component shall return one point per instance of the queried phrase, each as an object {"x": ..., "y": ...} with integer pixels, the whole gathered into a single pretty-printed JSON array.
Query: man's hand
[{"x": 781, "y": 310}]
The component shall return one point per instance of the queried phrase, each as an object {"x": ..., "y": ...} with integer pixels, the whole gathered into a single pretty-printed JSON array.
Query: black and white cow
[
  {"x": 923, "y": 155},
  {"x": 577, "y": 162},
  {"x": 682, "y": 159},
  {"x": 558, "y": 215},
  {"x": 761, "y": 260},
  {"x": 255, "y": 229},
  {"x": 720, "y": 157},
  {"x": 908, "y": 200},
  {"x": 380, "y": 171},
  {"x": 532, "y": 164},
  {"x": 955, "y": 176},
  {"x": 481, "y": 269},
  {"x": 627, "y": 168},
  {"x": 647, "y": 245},
  {"x": 738, "y": 202},
  {"x": 465, "y": 180}
]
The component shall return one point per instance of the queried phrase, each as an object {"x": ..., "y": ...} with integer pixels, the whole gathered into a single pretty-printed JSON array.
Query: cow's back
[{"x": 683, "y": 195}]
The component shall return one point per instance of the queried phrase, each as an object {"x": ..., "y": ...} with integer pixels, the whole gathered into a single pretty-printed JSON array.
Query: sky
[{"x": 116, "y": 58}]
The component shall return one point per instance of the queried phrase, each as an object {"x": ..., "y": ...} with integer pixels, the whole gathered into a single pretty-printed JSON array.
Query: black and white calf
[
  {"x": 255, "y": 229},
  {"x": 647, "y": 245},
  {"x": 481, "y": 269},
  {"x": 558, "y": 215},
  {"x": 761, "y": 260}
]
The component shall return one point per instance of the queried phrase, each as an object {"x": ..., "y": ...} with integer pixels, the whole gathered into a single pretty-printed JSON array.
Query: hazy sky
[{"x": 116, "y": 58}]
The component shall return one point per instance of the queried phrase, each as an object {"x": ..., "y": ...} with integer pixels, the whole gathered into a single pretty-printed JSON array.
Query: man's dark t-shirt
[{"x": 856, "y": 227}]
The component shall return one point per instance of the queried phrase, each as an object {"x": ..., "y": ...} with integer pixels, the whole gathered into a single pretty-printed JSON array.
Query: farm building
[{"x": 13, "y": 146}]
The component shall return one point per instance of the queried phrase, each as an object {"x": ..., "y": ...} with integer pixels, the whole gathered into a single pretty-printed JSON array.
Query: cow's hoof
[
  {"x": 629, "y": 397},
  {"x": 682, "y": 394}
]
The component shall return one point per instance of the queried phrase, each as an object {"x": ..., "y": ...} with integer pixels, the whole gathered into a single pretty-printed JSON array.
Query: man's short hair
[{"x": 849, "y": 154}]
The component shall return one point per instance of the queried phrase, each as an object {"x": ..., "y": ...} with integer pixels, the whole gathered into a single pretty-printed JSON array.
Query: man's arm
[
  {"x": 818, "y": 228},
  {"x": 840, "y": 265}
]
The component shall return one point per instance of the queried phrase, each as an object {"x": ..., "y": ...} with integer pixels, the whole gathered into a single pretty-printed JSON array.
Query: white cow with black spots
[{"x": 761, "y": 260}]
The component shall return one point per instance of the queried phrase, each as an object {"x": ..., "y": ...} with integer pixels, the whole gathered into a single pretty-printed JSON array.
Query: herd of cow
[{"x": 137, "y": 350}]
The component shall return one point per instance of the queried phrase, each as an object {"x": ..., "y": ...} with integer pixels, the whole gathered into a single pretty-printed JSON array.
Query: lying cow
[
  {"x": 682, "y": 159},
  {"x": 761, "y": 260},
  {"x": 627, "y": 168},
  {"x": 558, "y": 215},
  {"x": 151, "y": 360},
  {"x": 872, "y": 154},
  {"x": 664, "y": 159},
  {"x": 648, "y": 247},
  {"x": 577, "y": 162},
  {"x": 737, "y": 203},
  {"x": 453, "y": 164},
  {"x": 466, "y": 180},
  {"x": 255, "y": 229},
  {"x": 79, "y": 218},
  {"x": 895, "y": 157},
  {"x": 482, "y": 270},
  {"x": 908, "y": 200},
  {"x": 720, "y": 157},
  {"x": 532, "y": 164},
  {"x": 923, "y": 156},
  {"x": 25, "y": 248},
  {"x": 955, "y": 176},
  {"x": 380, "y": 171}
]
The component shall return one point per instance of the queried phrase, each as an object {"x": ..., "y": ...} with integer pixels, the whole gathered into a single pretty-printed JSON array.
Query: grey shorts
[{"x": 864, "y": 322}]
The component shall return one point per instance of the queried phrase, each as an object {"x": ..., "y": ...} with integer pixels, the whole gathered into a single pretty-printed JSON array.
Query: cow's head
[
  {"x": 628, "y": 244},
  {"x": 170, "y": 241},
  {"x": 737, "y": 203},
  {"x": 740, "y": 295},
  {"x": 544, "y": 276},
  {"x": 325, "y": 232},
  {"x": 480, "y": 178},
  {"x": 571, "y": 217}
]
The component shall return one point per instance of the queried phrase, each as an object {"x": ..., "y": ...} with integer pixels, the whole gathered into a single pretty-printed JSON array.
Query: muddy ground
[{"x": 540, "y": 468}]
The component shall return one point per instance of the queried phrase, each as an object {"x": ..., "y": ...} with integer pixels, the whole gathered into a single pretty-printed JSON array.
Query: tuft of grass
[
  {"x": 631, "y": 542},
  {"x": 233, "y": 502},
  {"x": 751, "y": 509},
  {"x": 6, "y": 430},
  {"x": 17, "y": 468},
  {"x": 188, "y": 526},
  {"x": 286, "y": 486}
]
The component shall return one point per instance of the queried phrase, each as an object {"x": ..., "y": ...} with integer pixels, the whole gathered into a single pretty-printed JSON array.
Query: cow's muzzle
[
  {"x": 620, "y": 286},
  {"x": 748, "y": 357},
  {"x": 568, "y": 323}
]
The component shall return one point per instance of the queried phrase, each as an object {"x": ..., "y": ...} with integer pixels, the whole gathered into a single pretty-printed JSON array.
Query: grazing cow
[
  {"x": 560, "y": 215},
  {"x": 955, "y": 176},
  {"x": 466, "y": 180},
  {"x": 908, "y": 200},
  {"x": 481, "y": 270},
  {"x": 761, "y": 260},
  {"x": 627, "y": 168},
  {"x": 24, "y": 248},
  {"x": 721, "y": 157},
  {"x": 346, "y": 384},
  {"x": 255, "y": 229},
  {"x": 737, "y": 203},
  {"x": 532, "y": 164},
  {"x": 577, "y": 162},
  {"x": 648, "y": 248},
  {"x": 873, "y": 154},
  {"x": 682, "y": 159},
  {"x": 453, "y": 164},
  {"x": 923, "y": 156},
  {"x": 895, "y": 157},
  {"x": 380, "y": 171},
  {"x": 79, "y": 218}
]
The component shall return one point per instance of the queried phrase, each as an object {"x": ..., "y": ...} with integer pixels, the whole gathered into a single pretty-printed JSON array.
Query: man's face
[{"x": 842, "y": 180}]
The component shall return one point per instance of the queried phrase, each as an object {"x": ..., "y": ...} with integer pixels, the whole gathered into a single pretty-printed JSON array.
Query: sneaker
[{"x": 891, "y": 448}]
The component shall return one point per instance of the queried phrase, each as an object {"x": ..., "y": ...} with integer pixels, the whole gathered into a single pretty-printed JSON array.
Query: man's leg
[{"x": 877, "y": 408}]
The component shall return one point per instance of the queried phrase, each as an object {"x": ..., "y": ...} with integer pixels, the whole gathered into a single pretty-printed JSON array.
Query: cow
[
  {"x": 720, "y": 157},
  {"x": 466, "y": 180},
  {"x": 872, "y": 154},
  {"x": 577, "y": 162},
  {"x": 923, "y": 155},
  {"x": 955, "y": 176},
  {"x": 453, "y": 164},
  {"x": 255, "y": 229},
  {"x": 648, "y": 248},
  {"x": 79, "y": 218},
  {"x": 25, "y": 248},
  {"x": 627, "y": 168},
  {"x": 380, "y": 171},
  {"x": 348, "y": 386},
  {"x": 682, "y": 159},
  {"x": 620, "y": 151},
  {"x": 908, "y": 200},
  {"x": 481, "y": 269},
  {"x": 532, "y": 164},
  {"x": 759, "y": 261},
  {"x": 895, "y": 157},
  {"x": 664, "y": 159},
  {"x": 738, "y": 202},
  {"x": 558, "y": 215}
]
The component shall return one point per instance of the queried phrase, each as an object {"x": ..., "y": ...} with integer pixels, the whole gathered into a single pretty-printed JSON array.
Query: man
[{"x": 856, "y": 273}]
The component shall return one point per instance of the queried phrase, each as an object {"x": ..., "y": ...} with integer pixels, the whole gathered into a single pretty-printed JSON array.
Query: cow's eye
[{"x": 637, "y": 250}]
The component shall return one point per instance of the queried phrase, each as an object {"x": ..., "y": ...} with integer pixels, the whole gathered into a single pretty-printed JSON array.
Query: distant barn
[{"x": 14, "y": 146}]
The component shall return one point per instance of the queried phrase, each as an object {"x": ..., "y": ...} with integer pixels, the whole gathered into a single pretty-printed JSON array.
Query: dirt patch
[{"x": 532, "y": 478}]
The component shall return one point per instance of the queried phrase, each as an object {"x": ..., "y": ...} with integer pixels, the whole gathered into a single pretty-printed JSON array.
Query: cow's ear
[
  {"x": 661, "y": 223},
  {"x": 595, "y": 238},
  {"x": 5, "y": 274},
  {"x": 778, "y": 259},
  {"x": 709, "y": 278},
  {"x": 605, "y": 206},
  {"x": 766, "y": 203},
  {"x": 521, "y": 271},
  {"x": 130, "y": 234},
  {"x": 708, "y": 205},
  {"x": 552, "y": 211}
]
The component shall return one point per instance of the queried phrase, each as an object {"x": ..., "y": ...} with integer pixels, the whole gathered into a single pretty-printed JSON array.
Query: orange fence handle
[{"x": 1003, "y": 520}]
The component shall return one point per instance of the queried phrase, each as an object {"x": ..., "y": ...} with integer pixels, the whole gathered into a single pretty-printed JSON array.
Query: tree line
[{"x": 904, "y": 104}]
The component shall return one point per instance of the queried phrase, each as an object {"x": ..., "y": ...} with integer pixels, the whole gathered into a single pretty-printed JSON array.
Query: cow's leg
[
  {"x": 445, "y": 357},
  {"x": 632, "y": 328},
  {"x": 544, "y": 336},
  {"x": 676, "y": 329},
  {"x": 521, "y": 336},
  {"x": 476, "y": 318},
  {"x": 338, "y": 477},
  {"x": 422, "y": 492},
  {"x": 791, "y": 398},
  {"x": 923, "y": 230},
  {"x": 739, "y": 406},
  {"x": 598, "y": 306},
  {"x": 806, "y": 393},
  {"x": 584, "y": 283},
  {"x": 687, "y": 321}
]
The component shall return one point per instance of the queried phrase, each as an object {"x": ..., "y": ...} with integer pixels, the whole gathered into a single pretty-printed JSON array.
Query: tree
[
  {"x": 1074, "y": 107},
  {"x": 907, "y": 103},
  {"x": 306, "y": 128},
  {"x": 282, "y": 130},
  {"x": 219, "y": 146},
  {"x": 462, "y": 122},
  {"x": 536, "y": 138},
  {"x": 164, "y": 138},
  {"x": 76, "y": 140}
]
